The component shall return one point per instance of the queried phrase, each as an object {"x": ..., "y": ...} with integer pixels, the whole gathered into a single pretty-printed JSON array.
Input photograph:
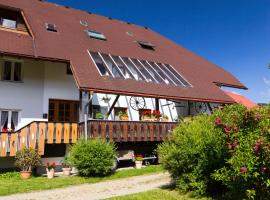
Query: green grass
[
  {"x": 11, "y": 185},
  {"x": 158, "y": 194}
]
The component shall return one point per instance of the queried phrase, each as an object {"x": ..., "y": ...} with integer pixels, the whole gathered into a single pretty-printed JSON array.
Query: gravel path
[{"x": 100, "y": 190}]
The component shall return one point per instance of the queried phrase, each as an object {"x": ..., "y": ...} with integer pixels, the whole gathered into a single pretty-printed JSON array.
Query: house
[{"x": 68, "y": 74}]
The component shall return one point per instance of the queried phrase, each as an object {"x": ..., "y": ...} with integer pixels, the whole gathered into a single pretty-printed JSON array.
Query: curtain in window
[
  {"x": 4, "y": 119},
  {"x": 14, "y": 120},
  {"x": 17, "y": 72},
  {"x": 7, "y": 71}
]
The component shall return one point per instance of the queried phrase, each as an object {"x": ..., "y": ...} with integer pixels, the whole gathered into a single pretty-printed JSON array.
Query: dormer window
[
  {"x": 51, "y": 27},
  {"x": 146, "y": 45},
  {"x": 96, "y": 35},
  {"x": 8, "y": 23}
]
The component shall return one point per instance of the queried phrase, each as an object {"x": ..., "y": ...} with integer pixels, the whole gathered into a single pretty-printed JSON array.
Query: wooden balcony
[
  {"x": 37, "y": 134},
  {"x": 127, "y": 131}
]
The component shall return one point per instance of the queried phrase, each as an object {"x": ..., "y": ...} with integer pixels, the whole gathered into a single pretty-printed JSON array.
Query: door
[{"x": 63, "y": 111}]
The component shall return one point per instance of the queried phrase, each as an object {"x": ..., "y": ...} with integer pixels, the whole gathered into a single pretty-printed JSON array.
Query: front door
[{"x": 63, "y": 111}]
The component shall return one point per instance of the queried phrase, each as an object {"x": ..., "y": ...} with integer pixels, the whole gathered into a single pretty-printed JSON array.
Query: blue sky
[{"x": 234, "y": 34}]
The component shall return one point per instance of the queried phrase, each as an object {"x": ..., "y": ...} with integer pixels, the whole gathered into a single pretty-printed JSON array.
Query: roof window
[
  {"x": 51, "y": 27},
  {"x": 83, "y": 23},
  {"x": 146, "y": 45},
  {"x": 8, "y": 23},
  {"x": 96, "y": 35}
]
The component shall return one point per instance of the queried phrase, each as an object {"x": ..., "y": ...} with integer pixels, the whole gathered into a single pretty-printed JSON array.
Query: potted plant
[
  {"x": 26, "y": 159},
  {"x": 155, "y": 115},
  {"x": 123, "y": 116},
  {"x": 66, "y": 167},
  {"x": 99, "y": 115},
  {"x": 50, "y": 170},
  {"x": 138, "y": 161},
  {"x": 146, "y": 115},
  {"x": 165, "y": 118}
]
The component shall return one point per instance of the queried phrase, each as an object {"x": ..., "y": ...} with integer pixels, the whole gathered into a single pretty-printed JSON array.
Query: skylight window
[
  {"x": 51, "y": 27},
  {"x": 140, "y": 70},
  {"x": 146, "y": 45},
  {"x": 96, "y": 35}
]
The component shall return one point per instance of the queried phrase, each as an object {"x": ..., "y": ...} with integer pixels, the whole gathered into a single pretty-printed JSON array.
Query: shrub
[
  {"x": 10, "y": 175},
  {"x": 192, "y": 153},
  {"x": 27, "y": 159},
  {"x": 247, "y": 171},
  {"x": 231, "y": 147},
  {"x": 93, "y": 157}
]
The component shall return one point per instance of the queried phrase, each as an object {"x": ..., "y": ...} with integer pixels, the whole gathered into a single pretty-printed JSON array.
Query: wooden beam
[
  {"x": 111, "y": 108},
  {"x": 157, "y": 103}
]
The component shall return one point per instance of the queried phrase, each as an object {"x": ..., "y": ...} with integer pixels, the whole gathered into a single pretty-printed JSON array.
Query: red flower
[
  {"x": 218, "y": 121},
  {"x": 243, "y": 170}
]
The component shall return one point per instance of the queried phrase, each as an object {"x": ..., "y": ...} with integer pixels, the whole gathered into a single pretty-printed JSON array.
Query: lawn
[
  {"x": 11, "y": 185},
  {"x": 158, "y": 194}
]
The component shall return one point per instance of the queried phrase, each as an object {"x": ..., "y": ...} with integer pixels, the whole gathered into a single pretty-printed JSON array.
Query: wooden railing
[
  {"x": 35, "y": 135},
  {"x": 125, "y": 131}
]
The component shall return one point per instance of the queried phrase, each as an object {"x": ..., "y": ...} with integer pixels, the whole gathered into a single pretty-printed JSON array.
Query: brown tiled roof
[{"x": 71, "y": 43}]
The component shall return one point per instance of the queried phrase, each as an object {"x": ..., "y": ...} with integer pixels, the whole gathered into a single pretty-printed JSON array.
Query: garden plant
[{"x": 225, "y": 154}]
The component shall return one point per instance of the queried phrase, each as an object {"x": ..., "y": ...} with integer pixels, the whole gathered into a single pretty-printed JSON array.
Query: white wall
[{"x": 41, "y": 81}]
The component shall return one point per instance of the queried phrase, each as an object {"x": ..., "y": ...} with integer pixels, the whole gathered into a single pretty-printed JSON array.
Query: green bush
[
  {"x": 195, "y": 149},
  {"x": 10, "y": 175},
  {"x": 247, "y": 171},
  {"x": 230, "y": 148},
  {"x": 93, "y": 157}
]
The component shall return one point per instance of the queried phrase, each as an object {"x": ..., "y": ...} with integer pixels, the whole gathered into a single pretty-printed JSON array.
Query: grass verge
[
  {"x": 12, "y": 185},
  {"x": 158, "y": 194}
]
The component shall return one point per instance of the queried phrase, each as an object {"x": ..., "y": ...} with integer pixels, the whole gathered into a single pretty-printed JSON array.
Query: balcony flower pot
[
  {"x": 66, "y": 171},
  {"x": 124, "y": 118},
  {"x": 25, "y": 174}
]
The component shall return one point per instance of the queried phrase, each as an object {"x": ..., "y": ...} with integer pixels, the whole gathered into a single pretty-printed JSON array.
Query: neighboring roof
[
  {"x": 71, "y": 43},
  {"x": 242, "y": 100}
]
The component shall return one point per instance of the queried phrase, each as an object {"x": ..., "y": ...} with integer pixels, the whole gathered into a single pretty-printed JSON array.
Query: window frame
[
  {"x": 163, "y": 72},
  {"x": 13, "y": 64},
  {"x": 93, "y": 60},
  {"x": 10, "y": 117},
  {"x": 135, "y": 68},
  {"x": 102, "y": 36},
  {"x": 2, "y": 21},
  {"x": 124, "y": 65},
  {"x": 53, "y": 30},
  {"x": 187, "y": 84}
]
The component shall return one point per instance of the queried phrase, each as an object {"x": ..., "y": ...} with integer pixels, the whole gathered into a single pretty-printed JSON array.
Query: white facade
[{"x": 40, "y": 82}]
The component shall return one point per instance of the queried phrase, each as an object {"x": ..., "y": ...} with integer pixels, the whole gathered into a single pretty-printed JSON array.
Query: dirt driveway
[{"x": 100, "y": 190}]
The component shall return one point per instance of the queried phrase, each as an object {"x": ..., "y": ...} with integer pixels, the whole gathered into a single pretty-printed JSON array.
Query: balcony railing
[
  {"x": 36, "y": 134},
  {"x": 127, "y": 131}
]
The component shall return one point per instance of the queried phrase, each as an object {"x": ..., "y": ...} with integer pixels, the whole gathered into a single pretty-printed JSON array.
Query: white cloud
[{"x": 266, "y": 81}]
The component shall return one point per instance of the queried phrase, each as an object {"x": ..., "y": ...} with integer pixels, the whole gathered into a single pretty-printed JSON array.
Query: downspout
[{"x": 86, "y": 116}]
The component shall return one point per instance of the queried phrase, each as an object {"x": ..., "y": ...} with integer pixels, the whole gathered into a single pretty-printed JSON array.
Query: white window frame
[
  {"x": 13, "y": 61},
  {"x": 189, "y": 85},
  {"x": 164, "y": 73},
  {"x": 9, "y": 117},
  {"x": 173, "y": 74},
  {"x": 96, "y": 35},
  {"x": 136, "y": 69},
  {"x": 117, "y": 66},
  {"x": 126, "y": 67},
  {"x": 147, "y": 71},
  {"x": 111, "y": 75}
]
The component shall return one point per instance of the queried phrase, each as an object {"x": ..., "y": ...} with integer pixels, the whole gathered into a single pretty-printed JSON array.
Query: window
[
  {"x": 9, "y": 119},
  {"x": 132, "y": 68},
  {"x": 145, "y": 73},
  {"x": 68, "y": 70},
  {"x": 104, "y": 71},
  {"x": 63, "y": 111},
  {"x": 12, "y": 71},
  {"x": 51, "y": 27},
  {"x": 125, "y": 71},
  {"x": 117, "y": 111},
  {"x": 113, "y": 68},
  {"x": 9, "y": 23},
  {"x": 96, "y": 35},
  {"x": 99, "y": 112},
  {"x": 164, "y": 76},
  {"x": 146, "y": 45},
  {"x": 140, "y": 70}
]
